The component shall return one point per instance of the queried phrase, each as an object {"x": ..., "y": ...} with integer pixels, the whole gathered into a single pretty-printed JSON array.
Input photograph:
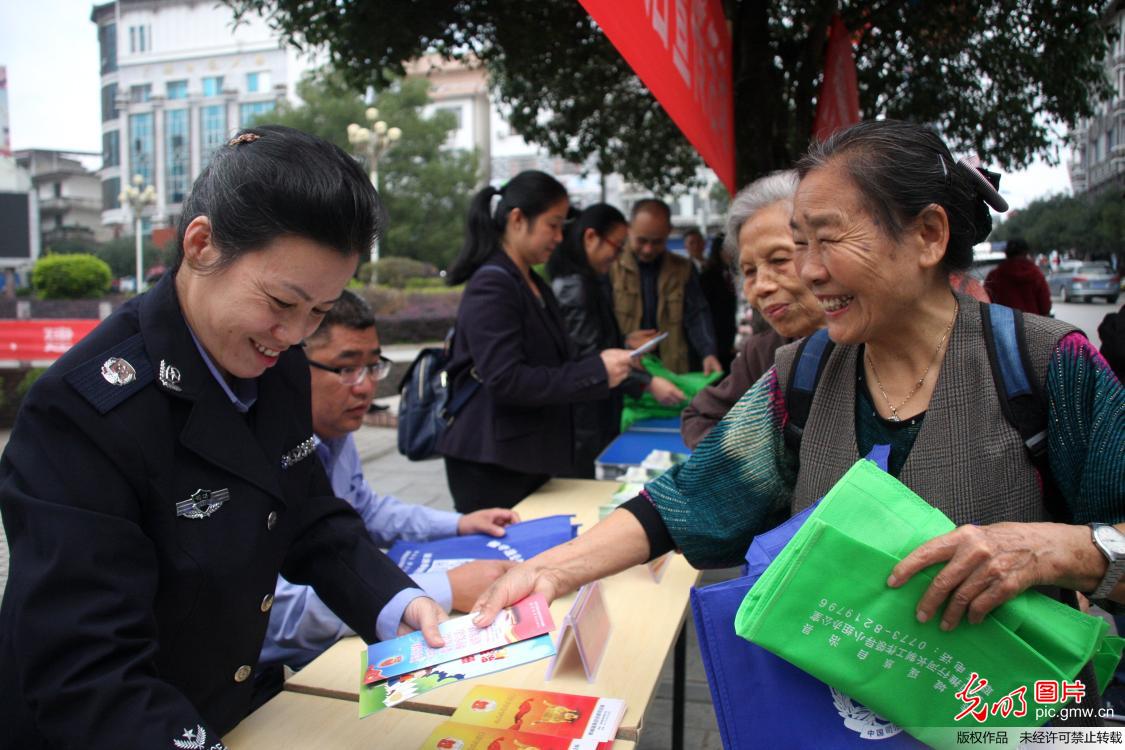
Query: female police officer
[{"x": 160, "y": 474}]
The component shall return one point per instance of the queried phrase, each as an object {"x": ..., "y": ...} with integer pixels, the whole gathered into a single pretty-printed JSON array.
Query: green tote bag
[{"x": 824, "y": 606}]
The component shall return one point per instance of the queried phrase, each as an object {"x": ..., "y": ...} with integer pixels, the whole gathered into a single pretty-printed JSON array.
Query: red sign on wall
[
  {"x": 28, "y": 340},
  {"x": 681, "y": 50}
]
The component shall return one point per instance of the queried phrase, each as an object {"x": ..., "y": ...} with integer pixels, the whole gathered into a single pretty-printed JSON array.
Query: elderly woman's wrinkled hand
[
  {"x": 518, "y": 583},
  {"x": 988, "y": 565}
]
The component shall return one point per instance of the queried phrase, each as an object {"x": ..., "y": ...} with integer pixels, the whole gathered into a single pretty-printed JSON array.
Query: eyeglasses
[
  {"x": 617, "y": 246},
  {"x": 354, "y": 375}
]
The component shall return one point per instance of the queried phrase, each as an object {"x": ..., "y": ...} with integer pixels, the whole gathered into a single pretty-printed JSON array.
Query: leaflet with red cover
[{"x": 541, "y": 712}]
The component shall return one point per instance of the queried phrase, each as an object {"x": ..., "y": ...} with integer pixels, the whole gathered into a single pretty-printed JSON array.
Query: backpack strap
[
  {"x": 1021, "y": 397},
  {"x": 812, "y": 355}
]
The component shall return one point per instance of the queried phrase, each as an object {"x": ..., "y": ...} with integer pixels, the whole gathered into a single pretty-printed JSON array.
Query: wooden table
[
  {"x": 308, "y": 722},
  {"x": 646, "y": 618}
]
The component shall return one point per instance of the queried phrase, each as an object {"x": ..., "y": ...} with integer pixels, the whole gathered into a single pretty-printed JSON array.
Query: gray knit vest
[{"x": 967, "y": 460}]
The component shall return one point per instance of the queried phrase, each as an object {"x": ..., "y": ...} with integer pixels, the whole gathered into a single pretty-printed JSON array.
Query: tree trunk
[{"x": 772, "y": 120}]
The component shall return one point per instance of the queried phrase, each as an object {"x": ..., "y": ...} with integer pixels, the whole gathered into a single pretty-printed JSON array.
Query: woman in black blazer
[{"x": 517, "y": 430}]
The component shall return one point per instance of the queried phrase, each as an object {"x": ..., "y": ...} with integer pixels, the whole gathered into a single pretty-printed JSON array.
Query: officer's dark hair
[
  {"x": 900, "y": 169},
  {"x": 272, "y": 181},
  {"x": 652, "y": 206},
  {"x": 531, "y": 191},
  {"x": 350, "y": 311},
  {"x": 1016, "y": 246},
  {"x": 570, "y": 257}
]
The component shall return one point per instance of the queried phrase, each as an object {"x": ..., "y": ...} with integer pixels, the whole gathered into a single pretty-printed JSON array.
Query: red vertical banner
[
  {"x": 837, "y": 106},
  {"x": 681, "y": 50}
]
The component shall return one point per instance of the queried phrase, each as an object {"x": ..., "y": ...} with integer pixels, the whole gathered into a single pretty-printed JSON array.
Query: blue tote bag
[{"x": 762, "y": 700}]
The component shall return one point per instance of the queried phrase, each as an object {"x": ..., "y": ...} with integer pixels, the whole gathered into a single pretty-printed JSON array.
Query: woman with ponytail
[
  {"x": 579, "y": 272},
  {"x": 517, "y": 431}
]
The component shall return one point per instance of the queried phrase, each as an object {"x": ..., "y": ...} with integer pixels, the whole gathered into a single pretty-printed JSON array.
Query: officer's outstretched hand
[
  {"x": 424, "y": 614},
  {"x": 489, "y": 521}
]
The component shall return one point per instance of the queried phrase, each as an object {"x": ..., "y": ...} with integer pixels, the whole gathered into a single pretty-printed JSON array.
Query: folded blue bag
[{"x": 522, "y": 541}]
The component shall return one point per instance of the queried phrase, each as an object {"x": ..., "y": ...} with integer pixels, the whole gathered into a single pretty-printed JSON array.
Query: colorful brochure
[
  {"x": 577, "y": 717},
  {"x": 521, "y": 541},
  {"x": 454, "y": 736},
  {"x": 525, "y": 619},
  {"x": 404, "y": 687}
]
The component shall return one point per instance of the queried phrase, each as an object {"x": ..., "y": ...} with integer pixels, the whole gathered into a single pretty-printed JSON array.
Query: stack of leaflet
[
  {"x": 521, "y": 542},
  {"x": 397, "y": 670},
  {"x": 635, "y": 477},
  {"x": 514, "y": 718}
]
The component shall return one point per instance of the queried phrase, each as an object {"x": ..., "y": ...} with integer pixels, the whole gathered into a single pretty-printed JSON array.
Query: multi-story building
[
  {"x": 463, "y": 90},
  {"x": 178, "y": 78},
  {"x": 1098, "y": 159},
  {"x": 69, "y": 195}
]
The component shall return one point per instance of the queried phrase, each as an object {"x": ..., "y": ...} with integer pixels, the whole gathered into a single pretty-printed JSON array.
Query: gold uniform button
[
  {"x": 243, "y": 673},
  {"x": 271, "y": 520},
  {"x": 267, "y": 602}
]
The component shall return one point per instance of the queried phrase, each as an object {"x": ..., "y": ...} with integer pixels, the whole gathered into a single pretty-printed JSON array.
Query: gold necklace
[{"x": 894, "y": 409}]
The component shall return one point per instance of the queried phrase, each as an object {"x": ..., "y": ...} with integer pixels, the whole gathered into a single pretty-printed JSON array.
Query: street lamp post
[
  {"x": 373, "y": 143},
  {"x": 138, "y": 195}
]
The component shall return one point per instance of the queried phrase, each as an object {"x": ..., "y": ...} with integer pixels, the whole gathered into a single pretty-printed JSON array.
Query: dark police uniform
[{"x": 148, "y": 520}]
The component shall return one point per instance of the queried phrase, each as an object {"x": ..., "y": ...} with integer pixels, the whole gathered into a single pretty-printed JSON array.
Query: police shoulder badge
[
  {"x": 114, "y": 375},
  {"x": 118, "y": 371}
]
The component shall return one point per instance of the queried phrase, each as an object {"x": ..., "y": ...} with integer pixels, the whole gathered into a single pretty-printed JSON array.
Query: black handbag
[{"x": 427, "y": 405}]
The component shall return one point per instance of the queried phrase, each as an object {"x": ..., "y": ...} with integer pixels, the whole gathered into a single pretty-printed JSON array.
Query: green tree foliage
[
  {"x": 998, "y": 78},
  {"x": 70, "y": 276},
  {"x": 121, "y": 255},
  {"x": 1091, "y": 226},
  {"x": 426, "y": 188}
]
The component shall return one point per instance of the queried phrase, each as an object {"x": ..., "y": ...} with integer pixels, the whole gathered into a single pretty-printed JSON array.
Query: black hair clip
[
  {"x": 986, "y": 182},
  {"x": 243, "y": 138}
]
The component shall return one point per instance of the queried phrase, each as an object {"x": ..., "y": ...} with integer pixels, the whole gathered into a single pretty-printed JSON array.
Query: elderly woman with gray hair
[
  {"x": 882, "y": 215},
  {"x": 758, "y": 232}
]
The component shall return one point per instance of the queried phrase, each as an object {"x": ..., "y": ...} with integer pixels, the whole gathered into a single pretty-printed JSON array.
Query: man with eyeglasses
[
  {"x": 657, "y": 291},
  {"x": 346, "y": 362}
]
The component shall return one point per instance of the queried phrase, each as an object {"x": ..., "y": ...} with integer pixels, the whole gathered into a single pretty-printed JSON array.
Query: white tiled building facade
[
  {"x": 1098, "y": 160},
  {"x": 178, "y": 78}
]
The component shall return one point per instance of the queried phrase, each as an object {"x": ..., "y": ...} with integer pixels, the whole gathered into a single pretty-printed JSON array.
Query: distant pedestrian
[
  {"x": 1017, "y": 282},
  {"x": 717, "y": 281}
]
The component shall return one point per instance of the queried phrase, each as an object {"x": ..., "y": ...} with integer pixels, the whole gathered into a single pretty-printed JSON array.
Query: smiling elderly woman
[
  {"x": 882, "y": 215},
  {"x": 160, "y": 474},
  {"x": 758, "y": 230}
]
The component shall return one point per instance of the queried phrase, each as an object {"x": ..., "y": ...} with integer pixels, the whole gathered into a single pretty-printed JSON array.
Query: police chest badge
[
  {"x": 202, "y": 503},
  {"x": 303, "y": 450}
]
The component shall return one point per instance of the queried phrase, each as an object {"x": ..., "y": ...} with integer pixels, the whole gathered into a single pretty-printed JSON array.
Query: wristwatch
[{"x": 1111, "y": 542}]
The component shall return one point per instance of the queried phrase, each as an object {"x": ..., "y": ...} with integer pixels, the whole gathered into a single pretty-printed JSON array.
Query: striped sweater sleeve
[
  {"x": 728, "y": 490},
  {"x": 1086, "y": 431}
]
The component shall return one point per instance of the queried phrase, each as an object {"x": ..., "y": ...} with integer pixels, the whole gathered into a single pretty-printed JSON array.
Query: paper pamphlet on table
[
  {"x": 454, "y": 736},
  {"x": 520, "y": 542},
  {"x": 585, "y": 627},
  {"x": 404, "y": 687},
  {"x": 579, "y": 717},
  {"x": 525, "y": 619}
]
